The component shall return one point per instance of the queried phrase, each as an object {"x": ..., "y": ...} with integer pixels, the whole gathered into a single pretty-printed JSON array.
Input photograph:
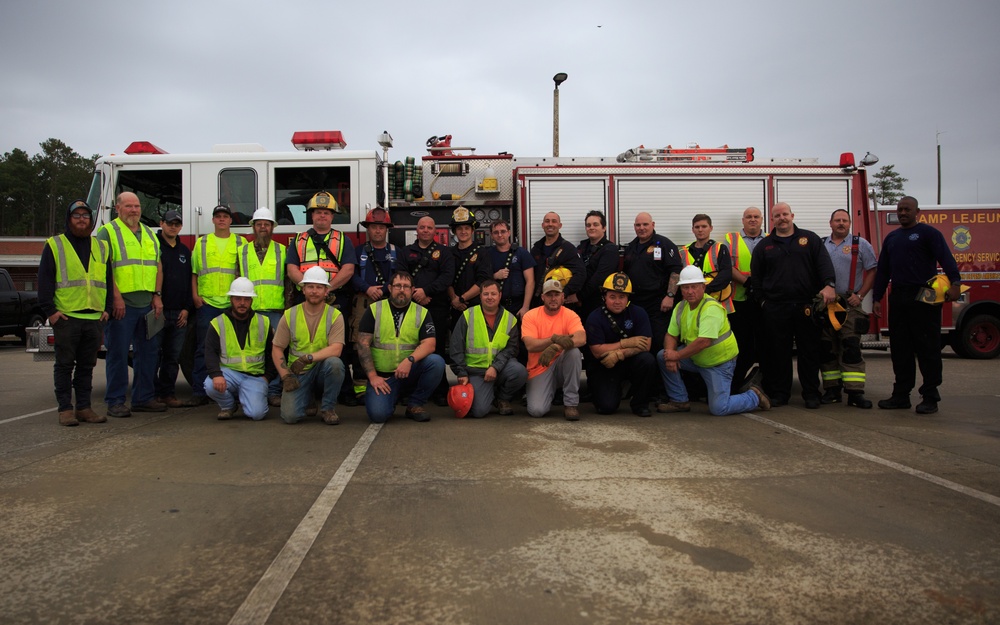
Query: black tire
[{"x": 978, "y": 338}]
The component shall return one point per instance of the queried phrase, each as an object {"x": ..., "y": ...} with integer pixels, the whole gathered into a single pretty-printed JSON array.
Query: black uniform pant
[
  {"x": 441, "y": 316},
  {"x": 76, "y": 345},
  {"x": 785, "y": 323},
  {"x": 659, "y": 321},
  {"x": 606, "y": 384},
  {"x": 746, "y": 326},
  {"x": 914, "y": 331}
]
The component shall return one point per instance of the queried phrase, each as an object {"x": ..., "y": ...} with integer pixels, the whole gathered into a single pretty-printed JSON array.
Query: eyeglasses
[
  {"x": 80, "y": 216},
  {"x": 400, "y": 287}
]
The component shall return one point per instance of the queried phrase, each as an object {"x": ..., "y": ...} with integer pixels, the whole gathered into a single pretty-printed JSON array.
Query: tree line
[{"x": 35, "y": 190}]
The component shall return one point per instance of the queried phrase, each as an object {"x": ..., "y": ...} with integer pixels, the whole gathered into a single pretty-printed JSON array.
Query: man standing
[
  {"x": 910, "y": 257},
  {"x": 618, "y": 335},
  {"x": 324, "y": 246},
  {"x": 472, "y": 266},
  {"x": 73, "y": 277},
  {"x": 552, "y": 252},
  {"x": 699, "y": 340},
  {"x": 376, "y": 263},
  {"x": 177, "y": 307},
  {"x": 138, "y": 280},
  {"x": 787, "y": 270},
  {"x": 237, "y": 344},
  {"x": 854, "y": 262},
  {"x": 396, "y": 348},
  {"x": 553, "y": 335},
  {"x": 263, "y": 263},
  {"x": 712, "y": 258},
  {"x": 214, "y": 260},
  {"x": 484, "y": 348},
  {"x": 433, "y": 269},
  {"x": 600, "y": 257},
  {"x": 313, "y": 332},
  {"x": 745, "y": 318},
  {"x": 513, "y": 269}
]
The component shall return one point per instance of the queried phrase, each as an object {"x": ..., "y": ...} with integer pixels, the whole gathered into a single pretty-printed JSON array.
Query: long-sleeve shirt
[
  {"x": 47, "y": 274},
  {"x": 213, "y": 346},
  {"x": 500, "y": 359},
  {"x": 601, "y": 261},
  {"x": 559, "y": 254},
  {"x": 432, "y": 268},
  {"x": 792, "y": 269},
  {"x": 176, "y": 288},
  {"x": 909, "y": 258}
]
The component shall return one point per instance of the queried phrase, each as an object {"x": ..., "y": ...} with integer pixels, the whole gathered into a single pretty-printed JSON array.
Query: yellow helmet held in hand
[
  {"x": 618, "y": 282},
  {"x": 561, "y": 274},
  {"x": 936, "y": 291}
]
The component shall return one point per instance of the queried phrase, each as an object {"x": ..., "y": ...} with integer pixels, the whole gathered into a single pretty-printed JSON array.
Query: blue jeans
[
  {"x": 250, "y": 389},
  {"x": 171, "y": 344},
  {"x": 202, "y": 319},
  {"x": 423, "y": 379},
  {"x": 509, "y": 380},
  {"x": 119, "y": 335},
  {"x": 718, "y": 380},
  {"x": 274, "y": 316},
  {"x": 327, "y": 375}
]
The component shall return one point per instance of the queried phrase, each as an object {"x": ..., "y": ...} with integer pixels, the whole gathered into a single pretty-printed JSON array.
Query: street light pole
[
  {"x": 558, "y": 79},
  {"x": 937, "y": 139}
]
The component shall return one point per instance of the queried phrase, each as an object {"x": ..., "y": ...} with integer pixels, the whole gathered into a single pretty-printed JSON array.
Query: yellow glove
[
  {"x": 562, "y": 340},
  {"x": 549, "y": 354},
  {"x": 641, "y": 342},
  {"x": 612, "y": 358}
]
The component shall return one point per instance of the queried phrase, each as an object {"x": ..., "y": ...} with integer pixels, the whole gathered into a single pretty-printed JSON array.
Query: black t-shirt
[{"x": 427, "y": 329}]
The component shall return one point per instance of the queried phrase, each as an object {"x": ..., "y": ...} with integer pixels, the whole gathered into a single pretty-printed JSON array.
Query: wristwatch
[
  {"x": 411, "y": 359},
  {"x": 462, "y": 299},
  {"x": 670, "y": 295},
  {"x": 158, "y": 293},
  {"x": 309, "y": 357}
]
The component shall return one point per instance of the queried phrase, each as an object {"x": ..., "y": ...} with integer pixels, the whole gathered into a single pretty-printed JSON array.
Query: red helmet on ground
[{"x": 460, "y": 399}]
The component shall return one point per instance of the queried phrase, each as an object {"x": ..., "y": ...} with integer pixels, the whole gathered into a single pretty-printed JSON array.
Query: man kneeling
[{"x": 699, "y": 327}]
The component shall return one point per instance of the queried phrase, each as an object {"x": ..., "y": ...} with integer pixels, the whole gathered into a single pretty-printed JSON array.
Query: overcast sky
[{"x": 791, "y": 79}]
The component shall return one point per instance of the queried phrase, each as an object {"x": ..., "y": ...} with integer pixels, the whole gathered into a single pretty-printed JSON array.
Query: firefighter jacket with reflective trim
[
  {"x": 268, "y": 277},
  {"x": 248, "y": 359},
  {"x": 80, "y": 293},
  {"x": 686, "y": 324},
  {"x": 310, "y": 257},
  {"x": 216, "y": 270},
  {"x": 389, "y": 346},
  {"x": 479, "y": 348},
  {"x": 710, "y": 262},
  {"x": 300, "y": 343},
  {"x": 133, "y": 263}
]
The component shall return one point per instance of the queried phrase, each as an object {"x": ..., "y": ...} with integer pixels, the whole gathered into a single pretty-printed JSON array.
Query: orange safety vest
[
  {"x": 710, "y": 267},
  {"x": 309, "y": 256}
]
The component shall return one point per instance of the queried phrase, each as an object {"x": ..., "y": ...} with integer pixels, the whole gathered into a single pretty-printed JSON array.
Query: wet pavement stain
[
  {"x": 710, "y": 558},
  {"x": 615, "y": 447}
]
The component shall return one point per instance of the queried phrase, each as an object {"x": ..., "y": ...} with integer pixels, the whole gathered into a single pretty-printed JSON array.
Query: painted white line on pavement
[
  {"x": 257, "y": 607},
  {"x": 965, "y": 490},
  {"x": 25, "y": 416}
]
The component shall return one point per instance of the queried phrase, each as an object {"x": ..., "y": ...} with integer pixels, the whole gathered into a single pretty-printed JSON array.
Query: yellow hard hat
[
  {"x": 323, "y": 200},
  {"x": 618, "y": 282},
  {"x": 562, "y": 274},
  {"x": 936, "y": 290}
]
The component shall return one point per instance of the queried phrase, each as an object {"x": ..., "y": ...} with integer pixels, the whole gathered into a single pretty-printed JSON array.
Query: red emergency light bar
[
  {"x": 319, "y": 140},
  {"x": 143, "y": 147}
]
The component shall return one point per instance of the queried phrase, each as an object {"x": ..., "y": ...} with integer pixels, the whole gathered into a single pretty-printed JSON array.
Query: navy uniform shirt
[
  {"x": 472, "y": 266},
  {"x": 517, "y": 259},
  {"x": 432, "y": 268},
  {"x": 375, "y": 267},
  {"x": 651, "y": 276},
  {"x": 176, "y": 275},
  {"x": 633, "y": 321}
]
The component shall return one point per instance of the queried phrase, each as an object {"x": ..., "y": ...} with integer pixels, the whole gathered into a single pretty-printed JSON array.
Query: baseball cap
[
  {"x": 552, "y": 285},
  {"x": 222, "y": 208},
  {"x": 170, "y": 216}
]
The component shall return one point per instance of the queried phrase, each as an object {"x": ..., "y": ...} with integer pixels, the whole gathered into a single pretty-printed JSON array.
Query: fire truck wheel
[{"x": 979, "y": 338}]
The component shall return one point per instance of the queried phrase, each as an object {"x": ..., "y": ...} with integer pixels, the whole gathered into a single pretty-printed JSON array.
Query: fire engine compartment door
[
  {"x": 571, "y": 197},
  {"x": 160, "y": 188},
  {"x": 672, "y": 202},
  {"x": 813, "y": 200}
]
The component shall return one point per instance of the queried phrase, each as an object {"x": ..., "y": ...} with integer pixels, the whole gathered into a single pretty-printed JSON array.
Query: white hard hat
[
  {"x": 316, "y": 275},
  {"x": 241, "y": 287},
  {"x": 691, "y": 275},
  {"x": 263, "y": 213}
]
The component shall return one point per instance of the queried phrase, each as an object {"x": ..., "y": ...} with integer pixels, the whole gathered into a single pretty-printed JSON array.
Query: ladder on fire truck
[{"x": 691, "y": 154}]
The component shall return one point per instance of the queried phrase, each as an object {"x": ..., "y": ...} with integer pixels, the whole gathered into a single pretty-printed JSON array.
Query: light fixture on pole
[{"x": 559, "y": 79}]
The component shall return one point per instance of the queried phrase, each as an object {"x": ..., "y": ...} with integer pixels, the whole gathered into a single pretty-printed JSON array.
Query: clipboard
[{"x": 154, "y": 324}]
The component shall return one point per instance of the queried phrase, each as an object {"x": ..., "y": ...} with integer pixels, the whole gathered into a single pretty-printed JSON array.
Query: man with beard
[
  {"x": 138, "y": 280},
  {"x": 472, "y": 265},
  {"x": 788, "y": 270},
  {"x": 73, "y": 278},
  {"x": 177, "y": 307},
  {"x": 484, "y": 347},
  {"x": 618, "y": 336},
  {"x": 237, "y": 346},
  {"x": 313, "y": 332},
  {"x": 395, "y": 345},
  {"x": 745, "y": 318},
  {"x": 215, "y": 258},
  {"x": 263, "y": 263},
  {"x": 552, "y": 252},
  {"x": 433, "y": 269},
  {"x": 513, "y": 269},
  {"x": 553, "y": 335}
]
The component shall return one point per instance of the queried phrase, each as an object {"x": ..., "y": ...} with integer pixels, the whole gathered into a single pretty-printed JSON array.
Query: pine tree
[{"x": 889, "y": 185}]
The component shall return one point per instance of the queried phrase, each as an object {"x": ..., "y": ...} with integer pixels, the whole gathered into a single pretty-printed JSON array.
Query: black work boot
[
  {"x": 831, "y": 396},
  {"x": 895, "y": 402},
  {"x": 927, "y": 406},
  {"x": 857, "y": 398}
]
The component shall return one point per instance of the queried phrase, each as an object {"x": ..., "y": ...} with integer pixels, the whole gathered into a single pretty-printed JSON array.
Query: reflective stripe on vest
[
  {"x": 309, "y": 256},
  {"x": 479, "y": 349},
  {"x": 133, "y": 262},
  {"x": 268, "y": 277},
  {"x": 78, "y": 289},
  {"x": 300, "y": 342},
  {"x": 215, "y": 274},
  {"x": 249, "y": 359},
  {"x": 709, "y": 266},
  {"x": 389, "y": 346},
  {"x": 718, "y": 351},
  {"x": 740, "y": 253}
]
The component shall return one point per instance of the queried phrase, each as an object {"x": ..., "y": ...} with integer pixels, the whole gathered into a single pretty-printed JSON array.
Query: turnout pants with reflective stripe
[{"x": 843, "y": 364}]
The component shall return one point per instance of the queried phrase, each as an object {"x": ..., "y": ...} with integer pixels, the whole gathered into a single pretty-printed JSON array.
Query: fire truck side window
[
  {"x": 238, "y": 191},
  {"x": 159, "y": 191},
  {"x": 294, "y": 186}
]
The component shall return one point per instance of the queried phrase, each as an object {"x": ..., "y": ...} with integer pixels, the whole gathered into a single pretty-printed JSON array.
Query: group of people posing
[{"x": 323, "y": 322}]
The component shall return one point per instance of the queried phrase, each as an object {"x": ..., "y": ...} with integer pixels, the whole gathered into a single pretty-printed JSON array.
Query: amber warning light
[{"x": 319, "y": 140}]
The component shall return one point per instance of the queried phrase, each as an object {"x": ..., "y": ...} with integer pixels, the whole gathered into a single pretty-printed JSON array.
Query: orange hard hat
[{"x": 460, "y": 399}]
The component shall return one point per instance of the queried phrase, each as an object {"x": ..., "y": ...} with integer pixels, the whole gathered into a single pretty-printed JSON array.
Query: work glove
[
  {"x": 298, "y": 366},
  {"x": 640, "y": 342},
  {"x": 549, "y": 354},
  {"x": 289, "y": 383},
  {"x": 612, "y": 358},
  {"x": 562, "y": 340}
]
